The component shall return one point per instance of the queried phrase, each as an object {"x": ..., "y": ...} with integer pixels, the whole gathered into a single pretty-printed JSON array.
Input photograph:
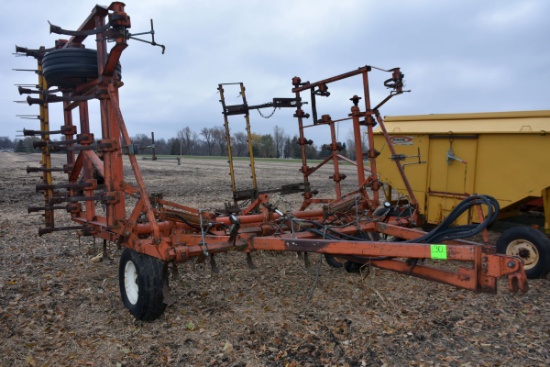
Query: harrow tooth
[
  {"x": 201, "y": 258},
  {"x": 34, "y": 209},
  {"x": 250, "y": 262},
  {"x": 46, "y": 230},
  {"x": 213, "y": 265},
  {"x": 175, "y": 272},
  {"x": 71, "y": 186},
  {"x": 307, "y": 263},
  {"x": 166, "y": 294},
  {"x": 44, "y": 169},
  {"x": 105, "y": 252}
]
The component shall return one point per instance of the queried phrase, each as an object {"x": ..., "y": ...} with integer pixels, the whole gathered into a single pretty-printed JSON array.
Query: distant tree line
[
  {"x": 212, "y": 142},
  {"x": 18, "y": 145}
]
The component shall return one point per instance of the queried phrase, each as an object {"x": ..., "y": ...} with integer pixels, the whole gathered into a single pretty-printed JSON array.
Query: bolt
[{"x": 511, "y": 264}]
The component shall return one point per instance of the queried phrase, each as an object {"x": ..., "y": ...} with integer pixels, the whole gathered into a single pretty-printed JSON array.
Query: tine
[
  {"x": 201, "y": 258},
  {"x": 306, "y": 260},
  {"x": 175, "y": 272},
  {"x": 213, "y": 265},
  {"x": 249, "y": 261}
]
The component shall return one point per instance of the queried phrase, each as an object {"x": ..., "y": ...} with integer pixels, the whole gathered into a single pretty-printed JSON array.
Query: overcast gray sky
[{"x": 457, "y": 56}]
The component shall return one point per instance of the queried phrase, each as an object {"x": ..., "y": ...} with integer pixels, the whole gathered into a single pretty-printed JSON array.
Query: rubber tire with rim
[
  {"x": 70, "y": 67},
  {"x": 530, "y": 245},
  {"x": 141, "y": 281}
]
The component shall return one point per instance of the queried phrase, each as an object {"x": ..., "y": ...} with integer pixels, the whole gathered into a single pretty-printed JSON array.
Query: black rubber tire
[
  {"x": 530, "y": 245},
  {"x": 352, "y": 267},
  {"x": 70, "y": 67},
  {"x": 141, "y": 282},
  {"x": 355, "y": 267},
  {"x": 332, "y": 262}
]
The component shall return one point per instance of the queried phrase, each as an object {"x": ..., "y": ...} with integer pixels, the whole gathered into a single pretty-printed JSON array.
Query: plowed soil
[{"x": 60, "y": 307}]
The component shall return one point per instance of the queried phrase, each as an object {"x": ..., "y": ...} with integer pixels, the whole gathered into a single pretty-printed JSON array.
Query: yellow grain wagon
[{"x": 448, "y": 157}]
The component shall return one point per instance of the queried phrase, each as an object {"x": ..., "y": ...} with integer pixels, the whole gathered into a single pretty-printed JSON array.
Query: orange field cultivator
[{"x": 353, "y": 228}]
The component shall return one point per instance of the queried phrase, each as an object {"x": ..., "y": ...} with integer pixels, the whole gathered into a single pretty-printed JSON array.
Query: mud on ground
[{"x": 60, "y": 308}]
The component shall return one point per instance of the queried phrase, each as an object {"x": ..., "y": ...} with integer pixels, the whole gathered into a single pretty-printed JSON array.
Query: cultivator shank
[{"x": 349, "y": 226}]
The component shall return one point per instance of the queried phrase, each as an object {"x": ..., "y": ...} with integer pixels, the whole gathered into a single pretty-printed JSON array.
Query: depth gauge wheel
[
  {"x": 352, "y": 267},
  {"x": 333, "y": 262},
  {"x": 355, "y": 267},
  {"x": 532, "y": 246},
  {"x": 141, "y": 280},
  {"x": 349, "y": 266}
]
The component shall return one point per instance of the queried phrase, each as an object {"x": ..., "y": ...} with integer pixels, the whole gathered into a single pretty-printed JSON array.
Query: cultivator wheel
[{"x": 142, "y": 280}]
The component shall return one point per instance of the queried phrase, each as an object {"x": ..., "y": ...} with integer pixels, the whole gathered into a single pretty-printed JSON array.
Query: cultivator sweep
[{"x": 351, "y": 228}]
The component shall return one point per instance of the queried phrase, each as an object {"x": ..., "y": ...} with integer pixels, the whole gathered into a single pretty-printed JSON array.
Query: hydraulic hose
[{"x": 444, "y": 231}]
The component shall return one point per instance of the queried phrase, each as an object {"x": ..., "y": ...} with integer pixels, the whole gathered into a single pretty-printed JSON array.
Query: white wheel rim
[
  {"x": 130, "y": 282},
  {"x": 526, "y": 250}
]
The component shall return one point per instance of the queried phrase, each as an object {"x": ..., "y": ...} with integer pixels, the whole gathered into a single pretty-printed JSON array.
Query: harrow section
[{"x": 351, "y": 228}]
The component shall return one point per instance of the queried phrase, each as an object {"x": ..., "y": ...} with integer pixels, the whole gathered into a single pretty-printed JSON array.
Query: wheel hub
[
  {"x": 130, "y": 282},
  {"x": 526, "y": 250}
]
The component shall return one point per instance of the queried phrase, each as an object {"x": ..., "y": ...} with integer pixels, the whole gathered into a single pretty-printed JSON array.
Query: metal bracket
[
  {"x": 113, "y": 27},
  {"x": 152, "y": 42},
  {"x": 402, "y": 157}
]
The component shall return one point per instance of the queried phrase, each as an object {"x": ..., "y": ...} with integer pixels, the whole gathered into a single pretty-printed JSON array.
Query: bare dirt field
[{"x": 60, "y": 308}]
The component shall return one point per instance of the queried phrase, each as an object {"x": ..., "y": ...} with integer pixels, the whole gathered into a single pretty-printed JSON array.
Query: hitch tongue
[{"x": 518, "y": 282}]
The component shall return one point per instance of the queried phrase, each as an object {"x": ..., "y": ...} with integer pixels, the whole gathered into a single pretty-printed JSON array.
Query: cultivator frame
[{"x": 156, "y": 232}]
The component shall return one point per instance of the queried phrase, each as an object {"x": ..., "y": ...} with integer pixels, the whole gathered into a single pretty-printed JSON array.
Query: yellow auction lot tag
[{"x": 439, "y": 252}]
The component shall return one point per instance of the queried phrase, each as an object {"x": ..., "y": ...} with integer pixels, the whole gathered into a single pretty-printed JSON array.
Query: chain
[{"x": 271, "y": 114}]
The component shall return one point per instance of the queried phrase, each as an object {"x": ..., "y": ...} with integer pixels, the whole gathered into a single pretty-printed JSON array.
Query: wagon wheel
[
  {"x": 141, "y": 281},
  {"x": 70, "y": 67},
  {"x": 532, "y": 246}
]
